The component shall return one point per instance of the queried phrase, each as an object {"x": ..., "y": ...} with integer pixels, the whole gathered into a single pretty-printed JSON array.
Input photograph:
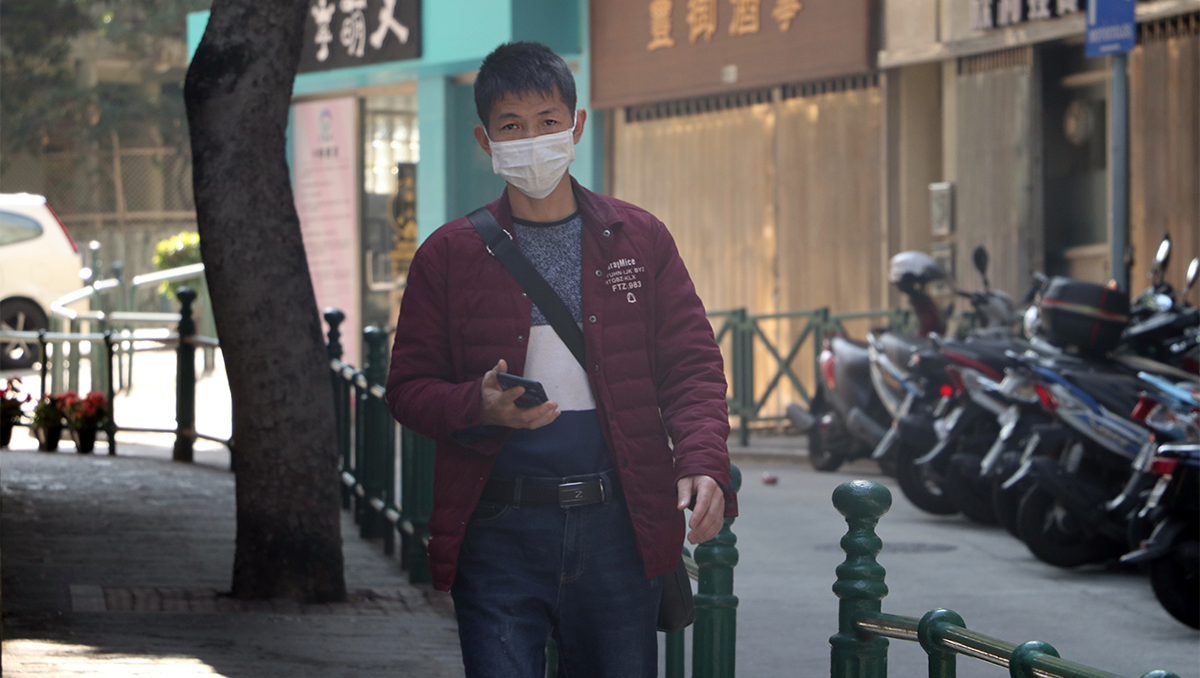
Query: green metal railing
[
  {"x": 389, "y": 498},
  {"x": 859, "y": 648},
  {"x": 110, "y": 307},
  {"x": 747, "y": 336},
  {"x": 102, "y": 358},
  {"x": 386, "y": 498}
]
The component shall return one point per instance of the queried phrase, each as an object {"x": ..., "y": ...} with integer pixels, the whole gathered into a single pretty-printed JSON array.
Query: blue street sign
[{"x": 1111, "y": 27}]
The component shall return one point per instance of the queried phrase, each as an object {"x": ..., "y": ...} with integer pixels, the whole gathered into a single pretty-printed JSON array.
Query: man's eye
[
  {"x": 509, "y": 126},
  {"x": 549, "y": 123}
]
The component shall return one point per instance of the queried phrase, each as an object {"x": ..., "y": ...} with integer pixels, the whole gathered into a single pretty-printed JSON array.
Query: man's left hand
[{"x": 708, "y": 515}]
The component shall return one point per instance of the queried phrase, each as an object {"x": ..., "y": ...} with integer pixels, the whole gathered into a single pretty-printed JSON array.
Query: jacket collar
[{"x": 598, "y": 215}]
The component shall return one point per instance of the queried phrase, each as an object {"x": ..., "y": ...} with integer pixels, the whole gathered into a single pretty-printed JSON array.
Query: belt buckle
[{"x": 572, "y": 494}]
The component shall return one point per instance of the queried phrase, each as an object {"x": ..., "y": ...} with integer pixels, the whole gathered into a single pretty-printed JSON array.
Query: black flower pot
[
  {"x": 48, "y": 437},
  {"x": 85, "y": 440}
]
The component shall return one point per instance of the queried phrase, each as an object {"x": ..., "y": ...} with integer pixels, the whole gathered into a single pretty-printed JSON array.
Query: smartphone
[{"x": 534, "y": 394}]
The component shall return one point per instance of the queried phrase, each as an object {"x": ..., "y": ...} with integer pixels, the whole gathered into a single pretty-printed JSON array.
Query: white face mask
[{"x": 534, "y": 165}]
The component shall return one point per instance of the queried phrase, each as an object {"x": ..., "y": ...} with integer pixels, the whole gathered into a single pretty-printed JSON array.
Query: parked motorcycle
[
  {"x": 1172, "y": 551},
  {"x": 853, "y": 410},
  {"x": 933, "y": 373}
]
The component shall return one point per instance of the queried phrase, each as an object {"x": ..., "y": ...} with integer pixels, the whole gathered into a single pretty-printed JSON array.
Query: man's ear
[
  {"x": 481, "y": 137},
  {"x": 580, "y": 118}
]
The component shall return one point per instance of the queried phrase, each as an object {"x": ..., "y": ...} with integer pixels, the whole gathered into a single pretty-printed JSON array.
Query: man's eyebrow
[
  {"x": 549, "y": 111},
  {"x": 508, "y": 115}
]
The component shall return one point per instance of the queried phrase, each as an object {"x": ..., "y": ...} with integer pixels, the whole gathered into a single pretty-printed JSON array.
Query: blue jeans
[{"x": 525, "y": 573}]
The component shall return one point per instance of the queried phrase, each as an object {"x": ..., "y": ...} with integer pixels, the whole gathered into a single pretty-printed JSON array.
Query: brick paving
[{"x": 119, "y": 566}]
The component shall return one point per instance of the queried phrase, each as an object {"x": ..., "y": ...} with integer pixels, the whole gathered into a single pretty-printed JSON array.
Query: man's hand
[
  {"x": 709, "y": 513},
  {"x": 497, "y": 406}
]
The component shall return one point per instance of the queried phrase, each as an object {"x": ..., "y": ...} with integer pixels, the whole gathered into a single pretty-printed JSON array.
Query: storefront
[
  {"x": 1018, "y": 147},
  {"x": 381, "y": 147},
  {"x": 752, "y": 129}
]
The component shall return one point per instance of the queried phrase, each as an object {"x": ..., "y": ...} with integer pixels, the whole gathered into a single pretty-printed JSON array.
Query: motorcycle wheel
[
  {"x": 1056, "y": 537},
  {"x": 1175, "y": 578},
  {"x": 922, "y": 485},
  {"x": 1007, "y": 504},
  {"x": 821, "y": 445},
  {"x": 967, "y": 491}
]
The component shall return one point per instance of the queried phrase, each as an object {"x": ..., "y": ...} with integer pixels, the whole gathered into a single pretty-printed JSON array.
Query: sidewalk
[{"x": 114, "y": 566}]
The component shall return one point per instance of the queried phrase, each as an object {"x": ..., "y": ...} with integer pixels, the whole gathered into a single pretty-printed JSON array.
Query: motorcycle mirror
[
  {"x": 1162, "y": 256},
  {"x": 980, "y": 258},
  {"x": 1192, "y": 272}
]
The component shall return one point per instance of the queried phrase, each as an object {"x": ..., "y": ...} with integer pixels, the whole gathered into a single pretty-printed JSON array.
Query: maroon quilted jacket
[{"x": 654, "y": 367}]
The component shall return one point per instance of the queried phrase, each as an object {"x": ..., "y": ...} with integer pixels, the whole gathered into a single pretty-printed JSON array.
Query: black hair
[{"x": 522, "y": 68}]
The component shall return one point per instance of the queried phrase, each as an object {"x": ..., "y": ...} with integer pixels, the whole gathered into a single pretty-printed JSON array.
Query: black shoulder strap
[{"x": 501, "y": 246}]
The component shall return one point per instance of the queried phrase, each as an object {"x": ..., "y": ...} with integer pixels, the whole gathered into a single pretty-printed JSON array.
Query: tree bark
[{"x": 238, "y": 92}]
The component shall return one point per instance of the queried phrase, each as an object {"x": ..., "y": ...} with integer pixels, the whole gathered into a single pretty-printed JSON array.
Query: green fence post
[
  {"x": 1020, "y": 662},
  {"x": 185, "y": 379},
  {"x": 121, "y": 304},
  {"x": 860, "y": 581},
  {"x": 941, "y": 661},
  {"x": 714, "y": 638},
  {"x": 416, "y": 476},
  {"x": 45, "y": 358},
  {"x": 374, "y": 480},
  {"x": 743, "y": 372},
  {"x": 341, "y": 398},
  {"x": 73, "y": 365},
  {"x": 359, "y": 396},
  {"x": 58, "y": 366},
  {"x": 820, "y": 321},
  {"x": 110, "y": 425}
]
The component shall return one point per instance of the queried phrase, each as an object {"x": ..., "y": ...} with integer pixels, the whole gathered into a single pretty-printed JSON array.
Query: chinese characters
[
  {"x": 702, "y": 19},
  {"x": 352, "y": 33},
  {"x": 660, "y": 25}
]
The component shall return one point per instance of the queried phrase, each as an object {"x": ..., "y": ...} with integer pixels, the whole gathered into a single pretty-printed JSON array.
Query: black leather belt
[{"x": 563, "y": 492}]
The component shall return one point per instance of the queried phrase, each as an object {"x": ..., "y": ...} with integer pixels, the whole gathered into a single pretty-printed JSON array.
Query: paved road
[{"x": 787, "y": 540}]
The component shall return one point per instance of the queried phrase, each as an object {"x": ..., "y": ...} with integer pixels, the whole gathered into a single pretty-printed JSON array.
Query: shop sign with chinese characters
[
  {"x": 988, "y": 14},
  {"x": 345, "y": 33},
  {"x": 656, "y": 50}
]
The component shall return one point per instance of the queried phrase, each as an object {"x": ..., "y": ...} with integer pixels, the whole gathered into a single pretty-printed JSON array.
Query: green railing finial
[
  {"x": 334, "y": 318},
  {"x": 860, "y": 581},
  {"x": 929, "y": 634},
  {"x": 1020, "y": 664}
]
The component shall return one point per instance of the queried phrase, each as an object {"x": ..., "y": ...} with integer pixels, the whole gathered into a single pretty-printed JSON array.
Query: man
[{"x": 523, "y": 559}]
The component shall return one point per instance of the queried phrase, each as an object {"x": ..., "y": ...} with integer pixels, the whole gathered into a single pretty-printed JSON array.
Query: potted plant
[
  {"x": 11, "y": 413},
  {"x": 85, "y": 416},
  {"x": 48, "y": 419}
]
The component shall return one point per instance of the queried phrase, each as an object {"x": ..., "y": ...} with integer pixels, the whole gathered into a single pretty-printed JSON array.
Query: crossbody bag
[{"x": 676, "y": 610}]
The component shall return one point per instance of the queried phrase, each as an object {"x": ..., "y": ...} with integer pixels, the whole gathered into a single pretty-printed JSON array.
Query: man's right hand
[{"x": 498, "y": 407}]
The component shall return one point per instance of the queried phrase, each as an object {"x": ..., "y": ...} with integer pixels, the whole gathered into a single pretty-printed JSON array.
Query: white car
[{"x": 39, "y": 263}]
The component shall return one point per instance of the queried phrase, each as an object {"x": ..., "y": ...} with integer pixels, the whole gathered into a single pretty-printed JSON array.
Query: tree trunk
[{"x": 238, "y": 91}]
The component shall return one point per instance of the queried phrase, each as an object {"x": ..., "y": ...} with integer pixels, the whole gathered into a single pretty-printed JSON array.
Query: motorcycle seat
[
  {"x": 851, "y": 356},
  {"x": 900, "y": 348},
  {"x": 1116, "y": 392},
  {"x": 994, "y": 354}
]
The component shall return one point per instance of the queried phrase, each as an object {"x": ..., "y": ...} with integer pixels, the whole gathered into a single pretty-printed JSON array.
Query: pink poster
[{"x": 325, "y": 170}]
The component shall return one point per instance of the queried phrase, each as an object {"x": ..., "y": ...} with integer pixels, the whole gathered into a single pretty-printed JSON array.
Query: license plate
[{"x": 1160, "y": 488}]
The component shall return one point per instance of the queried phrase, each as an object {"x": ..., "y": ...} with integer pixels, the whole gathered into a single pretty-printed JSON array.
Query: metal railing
[
  {"x": 387, "y": 498},
  {"x": 859, "y": 649},
  {"x": 110, "y": 304},
  {"x": 749, "y": 338},
  {"x": 102, "y": 357},
  {"x": 387, "y": 483}
]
